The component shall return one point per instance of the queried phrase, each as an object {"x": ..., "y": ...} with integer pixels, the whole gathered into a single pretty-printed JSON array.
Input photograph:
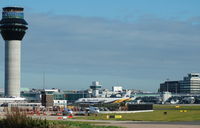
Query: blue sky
[{"x": 134, "y": 43}]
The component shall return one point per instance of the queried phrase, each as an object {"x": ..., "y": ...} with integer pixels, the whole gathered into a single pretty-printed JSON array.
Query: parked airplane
[{"x": 103, "y": 100}]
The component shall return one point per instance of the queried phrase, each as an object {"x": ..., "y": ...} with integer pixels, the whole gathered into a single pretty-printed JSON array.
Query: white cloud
[{"x": 95, "y": 46}]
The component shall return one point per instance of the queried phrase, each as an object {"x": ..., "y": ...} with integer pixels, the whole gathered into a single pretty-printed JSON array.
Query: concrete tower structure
[{"x": 13, "y": 27}]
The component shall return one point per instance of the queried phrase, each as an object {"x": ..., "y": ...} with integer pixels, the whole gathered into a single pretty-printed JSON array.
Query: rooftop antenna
[
  {"x": 13, "y": 3},
  {"x": 10, "y": 2}
]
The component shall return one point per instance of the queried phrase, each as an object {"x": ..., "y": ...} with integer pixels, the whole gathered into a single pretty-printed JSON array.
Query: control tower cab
[{"x": 13, "y": 25}]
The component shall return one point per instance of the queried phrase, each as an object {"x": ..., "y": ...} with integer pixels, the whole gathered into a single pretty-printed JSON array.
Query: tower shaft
[{"x": 12, "y": 68}]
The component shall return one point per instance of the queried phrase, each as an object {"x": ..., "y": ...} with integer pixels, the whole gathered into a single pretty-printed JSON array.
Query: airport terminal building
[{"x": 189, "y": 85}]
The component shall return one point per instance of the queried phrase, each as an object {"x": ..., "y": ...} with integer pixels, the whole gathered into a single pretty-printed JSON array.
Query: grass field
[
  {"x": 72, "y": 124},
  {"x": 17, "y": 119},
  {"x": 173, "y": 107},
  {"x": 171, "y": 113}
]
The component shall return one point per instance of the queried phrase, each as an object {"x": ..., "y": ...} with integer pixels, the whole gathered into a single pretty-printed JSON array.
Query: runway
[
  {"x": 136, "y": 124},
  {"x": 145, "y": 124}
]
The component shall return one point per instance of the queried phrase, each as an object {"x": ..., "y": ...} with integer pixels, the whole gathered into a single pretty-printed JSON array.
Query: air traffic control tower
[{"x": 12, "y": 28}]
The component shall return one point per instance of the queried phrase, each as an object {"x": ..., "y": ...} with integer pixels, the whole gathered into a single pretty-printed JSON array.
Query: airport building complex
[
  {"x": 13, "y": 28},
  {"x": 189, "y": 85}
]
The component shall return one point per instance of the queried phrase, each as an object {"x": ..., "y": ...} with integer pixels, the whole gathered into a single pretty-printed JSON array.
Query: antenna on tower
[
  {"x": 13, "y": 3},
  {"x": 10, "y": 3}
]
